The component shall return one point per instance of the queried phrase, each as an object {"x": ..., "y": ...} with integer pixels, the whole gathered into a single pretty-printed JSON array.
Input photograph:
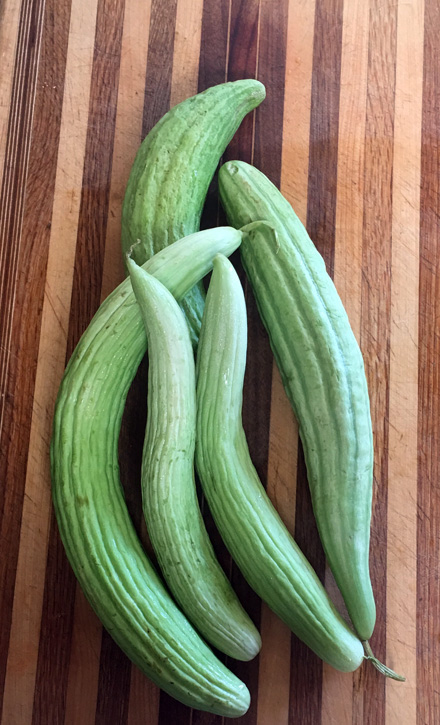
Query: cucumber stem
[
  {"x": 130, "y": 251},
  {"x": 383, "y": 669}
]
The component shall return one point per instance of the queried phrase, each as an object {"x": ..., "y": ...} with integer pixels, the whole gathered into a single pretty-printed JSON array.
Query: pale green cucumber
[
  {"x": 171, "y": 509},
  {"x": 172, "y": 171},
  {"x": 100, "y": 540},
  {"x": 257, "y": 539},
  {"x": 323, "y": 373}
]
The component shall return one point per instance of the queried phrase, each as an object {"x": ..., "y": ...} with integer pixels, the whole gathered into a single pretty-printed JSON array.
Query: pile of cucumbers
[{"x": 197, "y": 356}]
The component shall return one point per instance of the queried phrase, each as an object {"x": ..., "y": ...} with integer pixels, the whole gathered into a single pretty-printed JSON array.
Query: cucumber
[
  {"x": 172, "y": 171},
  {"x": 257, "y": 539},
  {"x": 322, "y": 371},
  {"x": 171, "y": 510},
  {"x": 97, "y": 532}
]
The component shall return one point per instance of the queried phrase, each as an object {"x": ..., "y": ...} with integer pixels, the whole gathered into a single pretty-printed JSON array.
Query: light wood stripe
[
  {"x": 128, "y": 131},
  {"x": 297, "y": 100},
  {"x": 25, "y": 629},
  {"x": 376, "y": 317},
  {"x": 9, "y": 27},
  {"x": 337, "y": 688},
  {"x": 428, "y": 499},
  {"x": 143, "y": 694},
  {"x": 274, "y": 673},
  {"x": 128, "y": 136},
  {"x": 401, "y": 699},
  {"x": 187, "y": 36},
  {"x": 86, "y": 630}
]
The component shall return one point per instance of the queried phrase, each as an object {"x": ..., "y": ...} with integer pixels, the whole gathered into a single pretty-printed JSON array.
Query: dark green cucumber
[
  {"x": 323, "y": 373},
  {"x": 172, "y": 172},
  {"x": 100, "y": 540},
  {"x": 257, "y": 539},
  {"x": 171, "y": 509}
]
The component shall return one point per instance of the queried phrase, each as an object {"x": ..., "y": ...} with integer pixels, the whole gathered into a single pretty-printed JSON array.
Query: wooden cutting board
[{"x": 350, "y": 130}]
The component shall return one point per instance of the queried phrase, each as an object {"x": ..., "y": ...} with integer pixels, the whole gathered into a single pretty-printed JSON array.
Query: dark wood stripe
[
  {"x": 324, "y": 120},
  {"x": 156, "y": 104},
  {"x": 55, "y": 635},
  {"x": 18, "y": 120},
  {"x": 376, "y": 310},
  {"x": 14, "y": 178},
  {"x": 271, "y": 71},
  {"x": 170, "y": 711},
  {"x": 113, "y": 685},
  {"x": 267, "y": 158},
  {"x": 54, "y": 650},
  {"x": 212, "y": 70},
  {"x": 131, "y": 440},
  {"x": 428, "y": 502},
  {"x": 214, "y": 43},
  {"x": 213, "y": 62},
  {"x": 256, "y": 51},
  {"x": 242, "y": 63},
  {"x": 306, "y": 667},
  {"x": 92, "y": 223},
  {"x": 28, "y": 185},
  {"x": 159, "y": 62},
  {"x": 239, "y": 37}
]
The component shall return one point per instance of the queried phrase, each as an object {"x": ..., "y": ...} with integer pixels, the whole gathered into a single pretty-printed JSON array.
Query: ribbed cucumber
[
  {"x": 257, "y": 539},
  {"x": 171, "y": 510},
  {"x": 323, "y": 373},
  {"x": 100, "y": 540},
  {"x": 172, "y": 171}
]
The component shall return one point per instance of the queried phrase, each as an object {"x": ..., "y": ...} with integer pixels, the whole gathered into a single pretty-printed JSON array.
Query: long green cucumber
[
  {"x": 171, "y": 509},
  {"x": 100, "y": 540},
  {"x": 256, "y": 537},
  {"x": 323, "y": 373},
  {"x": 172, "y": 171}
]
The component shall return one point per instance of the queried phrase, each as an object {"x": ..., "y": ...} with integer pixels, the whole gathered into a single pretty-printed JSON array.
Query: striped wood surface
[{"x": 351, "y": 131}]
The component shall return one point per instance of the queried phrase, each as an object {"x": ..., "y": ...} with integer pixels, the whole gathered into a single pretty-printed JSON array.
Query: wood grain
[
  {"x": 275, "y": 667},
  {"x": 350, "y": 132},
  {"x": 31, "y": 567},
  {"x": 26, "y": 209},
  {"x": 428, "y": 440},
  {"x": 337, "y": 688},
  {"x": 375, "y": 314},
  {"x": 401, "y": 703}
]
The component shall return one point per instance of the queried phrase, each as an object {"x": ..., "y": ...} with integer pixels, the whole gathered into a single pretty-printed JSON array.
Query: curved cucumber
[
  {"x": 170, "y": 504},
  {"x": 323, "y": 373},
  {"x": 100, "y": 540},
  {"x": 257, "y": 539},
  {"x": 172, "y": 171}
]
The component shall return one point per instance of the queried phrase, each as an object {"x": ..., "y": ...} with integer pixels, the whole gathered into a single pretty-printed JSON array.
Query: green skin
[
  {"x": 322, "y": 371},
  {"x": 172, "y": 171},
  {"x": 100, "y": 541},
  {"x": 174, "y": 522},
  {"x": 257, "y": 539}
]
